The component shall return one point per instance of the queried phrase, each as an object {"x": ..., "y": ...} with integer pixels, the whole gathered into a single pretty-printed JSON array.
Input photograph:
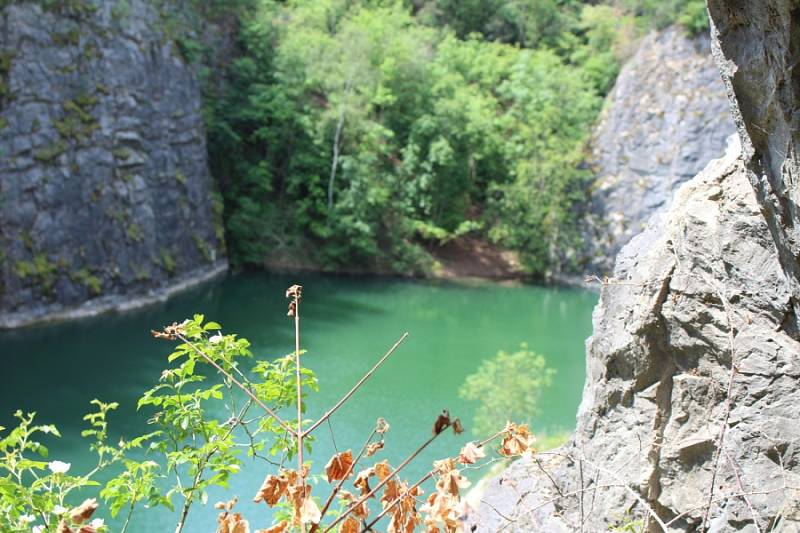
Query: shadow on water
[{"x": 348, "y": 323}]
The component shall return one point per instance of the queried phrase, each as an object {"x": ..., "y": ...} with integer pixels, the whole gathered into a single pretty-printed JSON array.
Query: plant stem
[
  {"x": 422, "y": 480},
  {"x": 338, "y": 486},
  {"x": 228, "y": 375},
  {"x": 299, "y": 432},
  {"x": 352, "y": 391},
  {"x": 386, "y": 479}
]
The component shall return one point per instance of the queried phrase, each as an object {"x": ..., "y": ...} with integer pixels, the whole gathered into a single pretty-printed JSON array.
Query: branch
[
  {"x": 422, "y": 480},
  {"x": 352, "y": 391},
  {"x": 338, "y": 486},
  {"x": 246, "y": 390},
  {"x": 386, "y": 479}
]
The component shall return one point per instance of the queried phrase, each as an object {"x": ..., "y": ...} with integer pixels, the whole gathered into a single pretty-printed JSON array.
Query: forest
[{"x": 364, "y": 134}]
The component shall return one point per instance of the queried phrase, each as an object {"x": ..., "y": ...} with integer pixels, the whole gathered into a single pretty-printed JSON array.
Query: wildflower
[
  {"x": 215, "y": 339},
  {"x": 27, "y": 518},
  {"x": 59, "y": 510},
  {"x": 58, "y": 467}
]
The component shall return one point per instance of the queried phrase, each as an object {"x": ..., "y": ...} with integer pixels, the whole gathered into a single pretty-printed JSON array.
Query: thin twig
[
  {"x": 298, "y": 380},
  {"x": 386, "y": 479},
  {"x": 422, "y": 480},
  {"x": 727, "y": 497},
  {"x": 338, "y": 486},
  {"x": 624, "y": 485},
  {"x": 352, "y": 391},
  {"x": 246, "y": 390},
  {"x": 741, "y": 489},
  {"x": 728, "y": 406}
]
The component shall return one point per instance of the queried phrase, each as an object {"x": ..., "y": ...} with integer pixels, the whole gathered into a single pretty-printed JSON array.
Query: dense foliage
[{"x": 364, "y": 133}]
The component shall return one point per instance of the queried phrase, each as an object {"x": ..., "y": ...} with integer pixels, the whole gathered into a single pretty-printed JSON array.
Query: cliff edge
[
  {"x": 689, "y": 414},
  {"x": 106, "y": 200}
]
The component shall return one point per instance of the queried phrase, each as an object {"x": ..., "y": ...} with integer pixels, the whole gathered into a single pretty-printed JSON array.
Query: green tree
[{"x": 507, "y": 387}]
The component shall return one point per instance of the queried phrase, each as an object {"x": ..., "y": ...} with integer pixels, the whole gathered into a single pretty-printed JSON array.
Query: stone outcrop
[
  {"x": 689, "y": 414},
  {"x": 665, "y": 119},
  {"x": 106, "y": 200}
]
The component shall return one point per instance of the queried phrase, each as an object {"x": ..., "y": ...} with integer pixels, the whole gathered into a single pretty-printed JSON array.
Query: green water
[{"x": 348, "y": 324}]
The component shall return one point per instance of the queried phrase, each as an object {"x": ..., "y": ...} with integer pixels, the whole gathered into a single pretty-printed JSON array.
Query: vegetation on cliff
[{"x": 364, "y": 133}]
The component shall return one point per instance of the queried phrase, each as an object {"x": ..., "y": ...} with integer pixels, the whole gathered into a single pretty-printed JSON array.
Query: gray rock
[
  {"x": 105, "y": 199},
  {"x": 692, "y": 392},
  {"x": 665, "y": 119}
]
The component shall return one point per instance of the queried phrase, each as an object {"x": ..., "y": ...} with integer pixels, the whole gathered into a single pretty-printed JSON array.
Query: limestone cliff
[
  {"x": 665, "y": 119},
  {"x": 105, "y": 194},
  {"x": 689, "y": 414}
]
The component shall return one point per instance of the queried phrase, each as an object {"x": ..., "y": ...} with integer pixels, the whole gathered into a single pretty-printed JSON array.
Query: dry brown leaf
[
  {"x": 382, "y": 470},
  {"x": 444, "y": 466},
  {"x": 63, "y": 528},
  {"x": 442, "y": 509},
  {"x": 361, "y": 511},
  {"x": 280, "y": 527},
  {"x": 84, "y": 511},
  {"x": 450, "y": 483},
  {"x": 458, "y": 429},
  {"x": 442, "y": 421},
  {"x": 340, "y": 466},
  {"x": 350, "y": 525},
  {"x": 470, "y": 454},
  {"x": 373, "y": 448},
  {"x": 362, "y": 480},
  {"x": 381, "y": 426},
  {"x": 518, "y": 440},
  {"x": 232, "y": 523},
  {"x": 272, "y": 490},
  {"x": 309, "y": 512}
]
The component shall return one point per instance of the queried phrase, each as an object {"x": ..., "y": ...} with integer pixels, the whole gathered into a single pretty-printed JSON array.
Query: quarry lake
[{"x": 348, "y": 323}]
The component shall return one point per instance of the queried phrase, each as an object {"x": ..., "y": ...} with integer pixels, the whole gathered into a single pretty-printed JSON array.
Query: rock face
[
  {"x": 105, "y": 194},
  {"x": 689, "y": 413},
  {"x": 666, "y": 118}
]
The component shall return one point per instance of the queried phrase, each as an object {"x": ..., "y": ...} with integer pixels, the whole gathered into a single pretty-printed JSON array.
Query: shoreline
[{"x": 114, "y": 303}]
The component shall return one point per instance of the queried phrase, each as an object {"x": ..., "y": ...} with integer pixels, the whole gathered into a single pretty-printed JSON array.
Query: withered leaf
[
  {"x": 373, "y": 448},
  {"x": 63, "y": 528},
  {"x": 442, "y": 422},
  {"x": 309, "y": 511},
  {"x": 84, "y": 511},
  {"x": 295, "y": 291},
  {"x": 450, "y": 482},
  {"x": 381, "y": 426},
  {"x": 382, "y": 470},
  {"x": 362, "y": 480},
  {"x": 470, "y": 454},
  {"x": 272, "y": 490},
  {"x": 350, "y": 525},
  {"x": 518, "y": 440},
  {"x": 232, "y": 523},
  {"x": 340, "y": 466},
  {"x": 458, "y": 429}
]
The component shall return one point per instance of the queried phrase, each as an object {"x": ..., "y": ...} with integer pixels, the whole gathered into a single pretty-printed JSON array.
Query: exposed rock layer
[
  {"x": 106, "y": 193},
  {"x": 694, "y": 364},
  {"x": 666, "y": 118}
]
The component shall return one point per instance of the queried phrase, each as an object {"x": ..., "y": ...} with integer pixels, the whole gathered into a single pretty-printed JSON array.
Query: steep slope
[
  {"x": 666, "y": 118},
  {"x": 106, "y": 194},
  {"x": 689, "y": 412}
]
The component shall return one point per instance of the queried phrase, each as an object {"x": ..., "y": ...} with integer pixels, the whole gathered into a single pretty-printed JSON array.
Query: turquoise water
[{"x": 348, "y": 323}]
